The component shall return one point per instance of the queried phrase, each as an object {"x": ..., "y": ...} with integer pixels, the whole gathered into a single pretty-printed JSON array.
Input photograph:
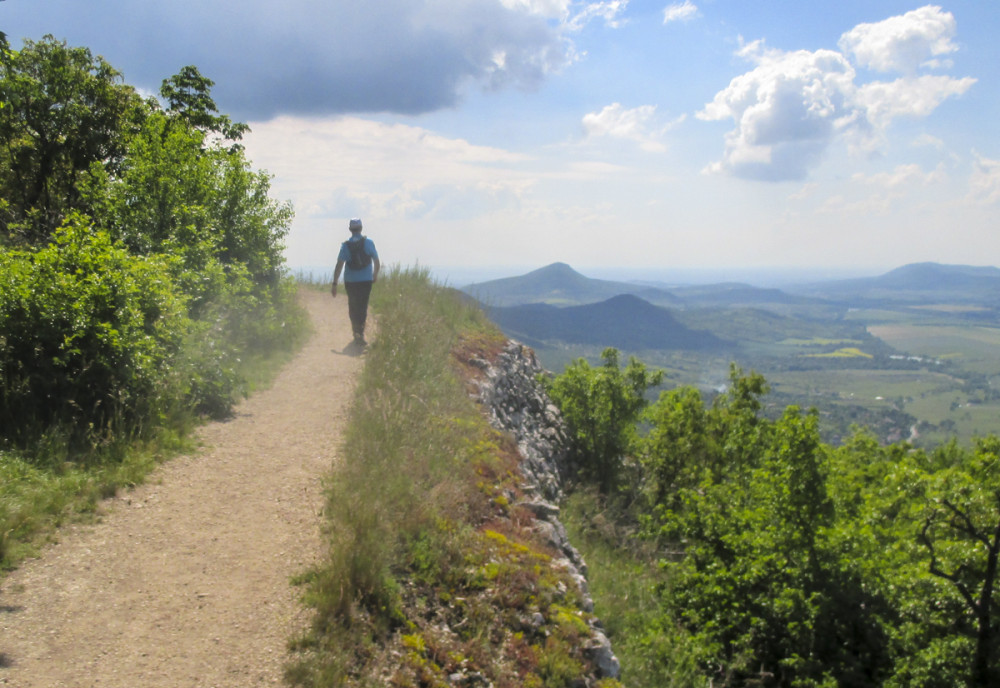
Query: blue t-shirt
[{"x": 365, "y": 274}]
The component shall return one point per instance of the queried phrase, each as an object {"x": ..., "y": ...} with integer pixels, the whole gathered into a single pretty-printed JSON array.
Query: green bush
[
  {"x": 88, "y": 333},
  {"x": 601, "y": 407}
]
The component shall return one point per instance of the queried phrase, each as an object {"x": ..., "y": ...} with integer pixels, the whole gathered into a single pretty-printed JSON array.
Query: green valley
[{"x": 912, "y": 354}]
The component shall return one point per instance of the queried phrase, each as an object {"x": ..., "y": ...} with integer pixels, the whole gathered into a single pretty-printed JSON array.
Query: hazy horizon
[{"x": 460, "y": 276}]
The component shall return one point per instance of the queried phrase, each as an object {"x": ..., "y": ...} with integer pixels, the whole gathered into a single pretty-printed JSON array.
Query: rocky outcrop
[{"x": 517, "y": 404}]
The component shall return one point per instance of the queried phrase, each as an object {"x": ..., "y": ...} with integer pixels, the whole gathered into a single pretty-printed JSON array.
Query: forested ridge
[{"x": 141, "y": 270}]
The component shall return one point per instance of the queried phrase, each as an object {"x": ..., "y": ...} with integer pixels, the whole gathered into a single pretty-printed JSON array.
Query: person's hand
[{"x": 333, "y": 290}]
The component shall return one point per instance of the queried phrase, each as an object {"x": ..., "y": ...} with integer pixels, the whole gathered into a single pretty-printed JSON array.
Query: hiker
[{"x": 359, "y": 255}]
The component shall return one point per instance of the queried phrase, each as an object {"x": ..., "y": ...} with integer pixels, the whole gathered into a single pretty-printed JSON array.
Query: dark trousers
[{"x": 357, "y": 305}]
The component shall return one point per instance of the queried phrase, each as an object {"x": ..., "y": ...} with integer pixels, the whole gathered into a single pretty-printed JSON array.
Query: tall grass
[
  {"x": 405, "y": 458},
  {"x": 624, "y": 579}
]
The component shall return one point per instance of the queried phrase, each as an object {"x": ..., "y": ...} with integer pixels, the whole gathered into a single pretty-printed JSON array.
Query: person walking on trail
[{"x": 359, "y": 256}]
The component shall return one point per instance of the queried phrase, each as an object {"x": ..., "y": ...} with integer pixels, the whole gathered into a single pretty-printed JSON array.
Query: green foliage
[
  {"x": 206, "y": 206},
  {"x": 678, "y": 446},
  {"x": 183, "y": 267},
  {"x": 790, "y": 563},
  {"x": 188, "y": 96},
  {"x": 960, "y": 539},
  {"x": 65, "y": 115},
  {"x": 601, "y": 406},
  {"x": 89, "y": 332}
]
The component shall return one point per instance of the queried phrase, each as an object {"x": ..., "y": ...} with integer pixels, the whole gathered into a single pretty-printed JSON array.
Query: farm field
[
  {"x": 974, "y": 348},
  {"x": 865, "y": 387}
]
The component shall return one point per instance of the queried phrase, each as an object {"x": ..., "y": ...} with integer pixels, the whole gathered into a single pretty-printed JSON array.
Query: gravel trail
[{"x": 185, "y": 579}]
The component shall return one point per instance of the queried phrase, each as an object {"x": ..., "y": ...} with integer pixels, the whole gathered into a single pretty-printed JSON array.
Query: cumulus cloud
[
  {"x": 680, "y": 11},
  {"x": 336, "y": 168},
  {"x": 787, "y": 109},
  {"x": 903, "y": 43},
  {"x": 309, "y": 57},
  {"x": 908, "y": 97},
  {"x": 636, "y": 124},
  {"x": 792, "y": 106}
]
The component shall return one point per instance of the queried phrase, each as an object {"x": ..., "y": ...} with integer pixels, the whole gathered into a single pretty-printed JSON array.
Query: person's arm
[
  {"x": 376, "y": 266},
  {"x": 336, "y": 277}
]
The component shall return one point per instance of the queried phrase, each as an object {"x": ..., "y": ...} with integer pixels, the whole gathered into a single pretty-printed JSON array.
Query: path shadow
[
  {"x": 353, "y": 349},
  {"x": 5, "y": 661}
]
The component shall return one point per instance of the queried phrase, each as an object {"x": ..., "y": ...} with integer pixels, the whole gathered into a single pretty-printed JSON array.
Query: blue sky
[{"x": 661, "y": 137}]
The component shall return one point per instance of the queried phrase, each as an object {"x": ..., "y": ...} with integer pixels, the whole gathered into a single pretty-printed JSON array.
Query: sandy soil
[{"x": 185, "y": 580}]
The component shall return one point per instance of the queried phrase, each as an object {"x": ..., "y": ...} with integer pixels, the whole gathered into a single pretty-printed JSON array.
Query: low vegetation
[{"x": 433, "y": 576}]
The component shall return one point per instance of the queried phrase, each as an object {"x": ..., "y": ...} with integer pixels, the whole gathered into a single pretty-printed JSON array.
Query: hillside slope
[{"x": 624, "y": 322}]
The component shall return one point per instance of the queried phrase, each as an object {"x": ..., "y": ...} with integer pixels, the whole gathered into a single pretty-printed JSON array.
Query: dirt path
[{"x": 185, "y": 582}]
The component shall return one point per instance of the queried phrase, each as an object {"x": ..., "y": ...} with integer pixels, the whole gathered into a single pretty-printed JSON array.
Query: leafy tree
[
  {"x": 188, "y": 96},
  {"x": 961, "y": 536},
  {"x": 65, "y": 113},
  {"x": 601, "y": 406},
  {"x": 678, "y": 447},
  {"x": 759, "y": 584},
  {"x": 790, "y": 563},
  {"x": 737, "y": 424}
]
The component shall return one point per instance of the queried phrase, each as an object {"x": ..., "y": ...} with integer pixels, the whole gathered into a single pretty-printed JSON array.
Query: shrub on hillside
[{"x": 88, "y": 331}]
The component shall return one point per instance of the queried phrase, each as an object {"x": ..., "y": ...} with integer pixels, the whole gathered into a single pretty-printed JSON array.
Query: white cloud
[
  {"x": 424, "y": 194},
  {"x": 636, "y": 124},
  {"x": 984, "y": 184},
  {"x": 902, "y": 43},
  {"x": 792, "y": 106},
  {"x": 608, "y": 10},
  {"x": 680, "y": 11},
  {"x": 908, "y": 96},
  {"x": 925, "y": 139},
  {"x": 787, "y": 110},
  {"x": 563, "y": 11}
]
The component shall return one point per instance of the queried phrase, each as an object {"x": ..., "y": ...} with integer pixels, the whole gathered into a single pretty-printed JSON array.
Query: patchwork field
[{"x": 974, "y": 348}]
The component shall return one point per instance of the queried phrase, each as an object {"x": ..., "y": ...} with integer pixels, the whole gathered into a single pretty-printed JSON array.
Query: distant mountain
[
  {"x": 917, "y": 283},
  {"x": 625, "y": 322},
  {"x": 739, "y": 294},
  {"x": 560, "y": 285}
]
